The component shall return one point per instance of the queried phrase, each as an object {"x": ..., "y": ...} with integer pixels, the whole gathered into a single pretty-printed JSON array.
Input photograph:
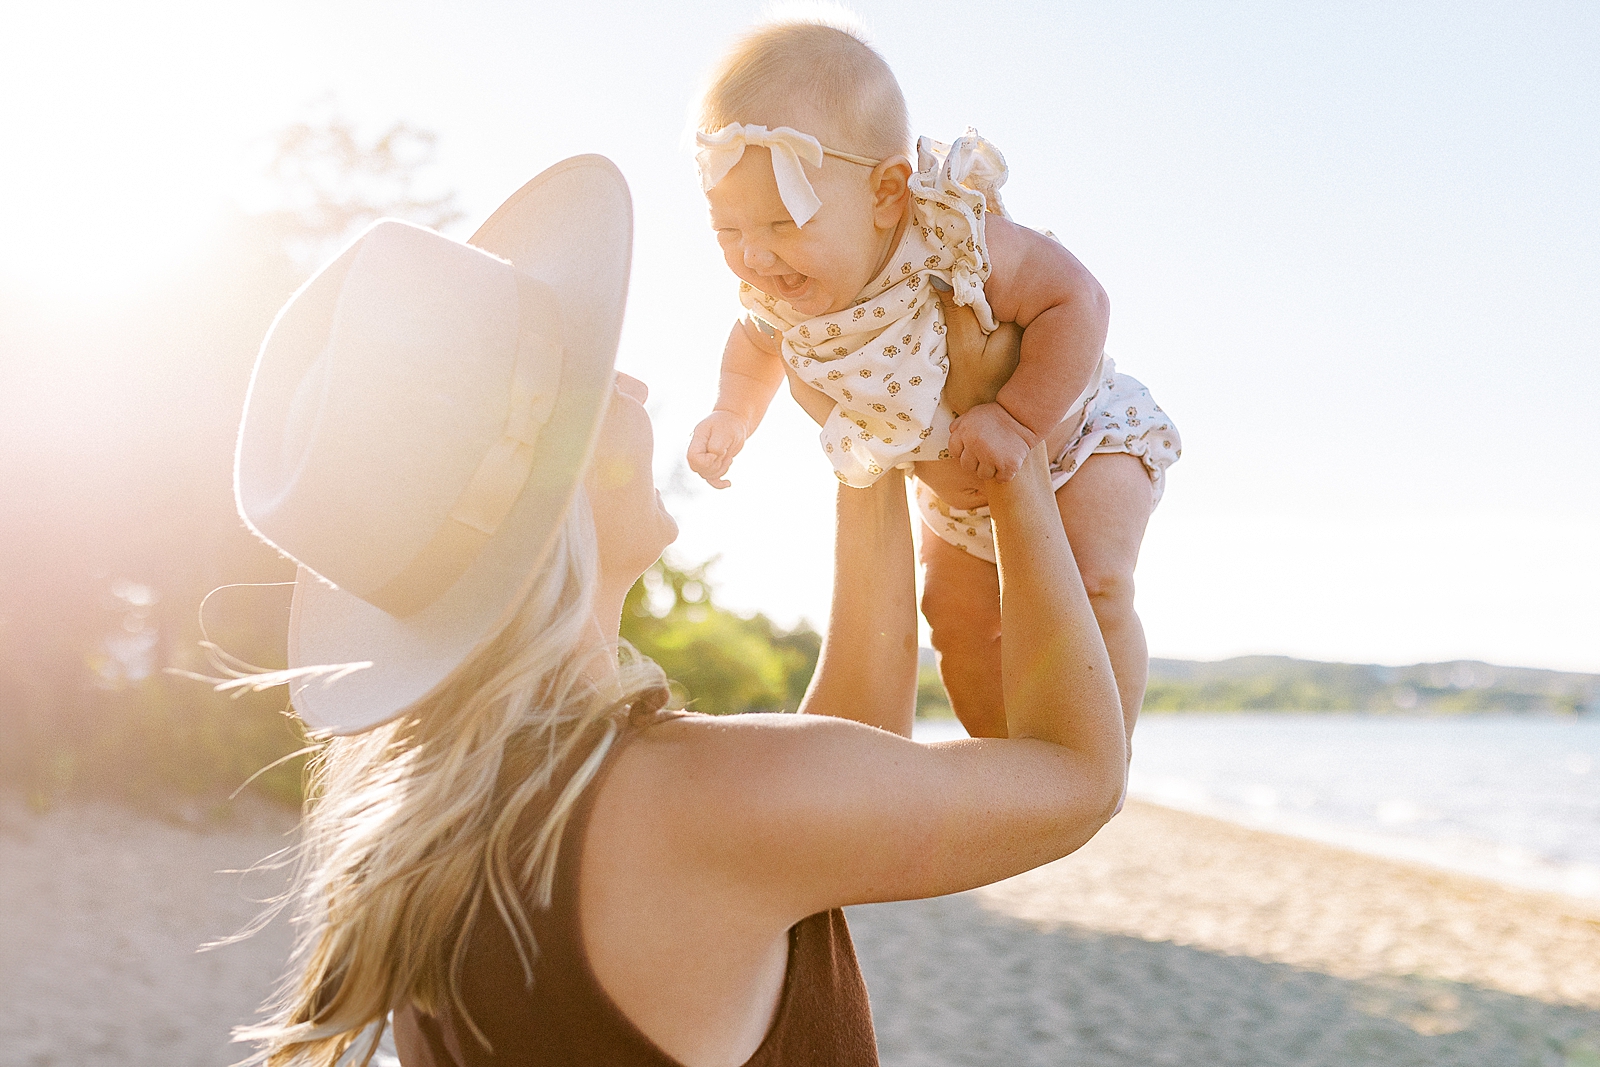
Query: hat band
[{"x": 499, "y": 480}]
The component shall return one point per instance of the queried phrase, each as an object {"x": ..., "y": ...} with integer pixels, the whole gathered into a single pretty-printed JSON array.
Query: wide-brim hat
[{"x": 419, "y": 417}]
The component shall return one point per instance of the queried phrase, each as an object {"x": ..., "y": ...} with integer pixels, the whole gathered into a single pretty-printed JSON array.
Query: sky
[{"x": 1352, "y": 248}]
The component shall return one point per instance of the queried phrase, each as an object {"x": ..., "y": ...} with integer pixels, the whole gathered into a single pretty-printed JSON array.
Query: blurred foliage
[
  {"x": 115, "y": 461},
  {"x": 116, "y": 451},
  {"x": 932, "y": 700},
  {"x": 331, "y": 182},
  {"x": 726, "y": 663},
  {"x": 1278, "y": 683}
]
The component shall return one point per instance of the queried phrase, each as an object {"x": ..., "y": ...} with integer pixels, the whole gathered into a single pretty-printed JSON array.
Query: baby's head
[
  {"x": 815, "y": 251},
  {"x": 814, "y": 77}
]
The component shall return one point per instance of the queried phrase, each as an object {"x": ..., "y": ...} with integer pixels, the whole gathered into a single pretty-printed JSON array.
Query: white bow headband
[{"x": 719, "y": 152}]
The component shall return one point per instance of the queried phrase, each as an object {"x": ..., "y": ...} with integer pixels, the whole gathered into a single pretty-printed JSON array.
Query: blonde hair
[
  {"x": 411, "y": 831},
  {"x": 818, "y": 60}
]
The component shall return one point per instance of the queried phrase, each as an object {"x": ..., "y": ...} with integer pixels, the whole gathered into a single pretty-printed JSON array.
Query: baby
[{"x": 924, "y": 330}]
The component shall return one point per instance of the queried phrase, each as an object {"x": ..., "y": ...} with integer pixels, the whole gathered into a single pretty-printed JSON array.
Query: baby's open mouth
[{"x": 789, "y": 284}]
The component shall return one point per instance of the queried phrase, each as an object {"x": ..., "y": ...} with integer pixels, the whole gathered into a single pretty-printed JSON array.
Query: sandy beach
[{"x": 1169, "y": 939}]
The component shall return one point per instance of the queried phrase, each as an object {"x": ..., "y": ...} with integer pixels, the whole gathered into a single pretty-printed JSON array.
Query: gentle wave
[{"x": 1514, "y": 799}]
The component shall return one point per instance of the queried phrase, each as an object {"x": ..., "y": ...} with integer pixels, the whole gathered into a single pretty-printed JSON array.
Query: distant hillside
[{"x": 1278, "y": 683}]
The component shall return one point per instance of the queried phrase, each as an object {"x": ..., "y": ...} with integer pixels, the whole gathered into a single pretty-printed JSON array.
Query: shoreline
[
  {"x": 1474, "y": 860},
  {"x": 1431, "y": 820}
]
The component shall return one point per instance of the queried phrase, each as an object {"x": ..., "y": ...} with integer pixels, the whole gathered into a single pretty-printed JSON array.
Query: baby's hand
[
  {"x": 717, "y": 439},
  {"x": 988, "y": 442}
]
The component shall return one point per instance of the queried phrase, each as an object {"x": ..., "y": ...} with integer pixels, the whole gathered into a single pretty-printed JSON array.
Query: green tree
[{"x": 725, "y": 662}]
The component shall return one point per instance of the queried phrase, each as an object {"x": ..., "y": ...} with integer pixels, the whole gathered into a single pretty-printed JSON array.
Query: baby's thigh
[
  {"x": 960, "y": 593},
  {"x": 1105, "y": 508}
]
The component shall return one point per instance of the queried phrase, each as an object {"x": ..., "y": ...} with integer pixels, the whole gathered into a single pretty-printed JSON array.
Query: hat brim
[{"x": 571, "y": 228}]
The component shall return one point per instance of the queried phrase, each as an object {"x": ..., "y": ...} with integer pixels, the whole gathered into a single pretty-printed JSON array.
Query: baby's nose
[{"x": 757, "y": 258}]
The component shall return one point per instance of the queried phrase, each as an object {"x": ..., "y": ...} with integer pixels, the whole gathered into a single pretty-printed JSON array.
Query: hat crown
[
  {"x": 418, "y": 421},
  {"x": 380, "y": 389}
]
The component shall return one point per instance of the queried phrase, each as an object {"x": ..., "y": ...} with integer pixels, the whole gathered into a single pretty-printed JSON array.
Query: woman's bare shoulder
[
  {"x": 799, "y": 813},
  {"x": 735, "y": 745}
]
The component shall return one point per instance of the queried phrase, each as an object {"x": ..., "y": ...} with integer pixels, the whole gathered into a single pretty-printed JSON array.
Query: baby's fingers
[
  {"x": 973, "y": 463},
  {"x": 707, "y": 463},
  {"x": 711, "y": 468},
  {"x": 699, "y": 445},
  {"x": 1006, "y": 467}
]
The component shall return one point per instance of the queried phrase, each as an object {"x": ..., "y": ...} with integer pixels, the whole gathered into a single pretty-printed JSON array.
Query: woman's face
[{"x": 631, "y": 524}]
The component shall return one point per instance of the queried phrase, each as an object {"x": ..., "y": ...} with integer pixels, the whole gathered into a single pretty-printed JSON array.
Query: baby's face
[{"x": 819, "y": 267}]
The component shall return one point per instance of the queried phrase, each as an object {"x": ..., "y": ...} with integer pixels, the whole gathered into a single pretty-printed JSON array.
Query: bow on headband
[{"x": 720, "y": 151}]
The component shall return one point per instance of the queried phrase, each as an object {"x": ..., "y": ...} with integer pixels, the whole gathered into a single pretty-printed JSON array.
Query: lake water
[{"x": 1512, "y": 798}]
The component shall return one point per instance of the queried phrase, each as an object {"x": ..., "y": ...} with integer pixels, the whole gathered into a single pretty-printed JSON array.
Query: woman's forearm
[
  {"x": 1057, "y": 678},
  {"x": 868, "y": 667}
]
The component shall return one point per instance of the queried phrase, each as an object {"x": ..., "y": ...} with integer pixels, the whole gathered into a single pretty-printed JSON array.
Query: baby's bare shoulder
[{"x": 1031, "y": 272}]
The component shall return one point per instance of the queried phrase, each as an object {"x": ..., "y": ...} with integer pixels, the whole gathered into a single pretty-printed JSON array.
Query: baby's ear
[{"x": 890, "y": 183}]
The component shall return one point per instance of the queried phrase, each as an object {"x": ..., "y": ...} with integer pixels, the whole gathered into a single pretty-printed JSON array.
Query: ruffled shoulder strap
[
  {"x": 971, "y": 162},
  {"x": 959, "y": 183}
]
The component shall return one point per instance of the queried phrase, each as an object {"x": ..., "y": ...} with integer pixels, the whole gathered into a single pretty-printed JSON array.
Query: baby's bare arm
[
  {"x": 1063, "y": 312},
  {"x": 752, "y": 370}
]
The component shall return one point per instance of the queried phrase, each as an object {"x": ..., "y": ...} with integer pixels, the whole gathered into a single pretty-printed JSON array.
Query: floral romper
[{"x": 883, "y": 361}]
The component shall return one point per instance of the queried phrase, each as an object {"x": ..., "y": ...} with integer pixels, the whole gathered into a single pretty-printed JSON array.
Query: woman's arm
[
  {"x": 868, "y": 667},
  {"x": 712, "y": 836},
  {"x": 773, "y": 818}
]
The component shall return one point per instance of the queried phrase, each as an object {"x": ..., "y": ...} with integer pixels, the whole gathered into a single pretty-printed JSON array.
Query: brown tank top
[{"x": 565, "y": 1018}]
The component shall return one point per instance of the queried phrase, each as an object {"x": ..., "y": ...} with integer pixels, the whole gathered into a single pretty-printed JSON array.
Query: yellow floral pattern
[
  {"x": 891, "y": 353},
  {"x": 1121, "y": 417}
]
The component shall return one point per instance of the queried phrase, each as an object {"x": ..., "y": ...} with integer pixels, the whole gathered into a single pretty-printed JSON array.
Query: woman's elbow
[
  {"x": 1094, "y": 795},
  {"x": 1115, "y": 793},
  {"x": 1102, "y": 797}
]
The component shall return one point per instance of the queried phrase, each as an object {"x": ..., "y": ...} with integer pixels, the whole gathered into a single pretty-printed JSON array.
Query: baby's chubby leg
[
  {"x": 961, "y": 601},
  {"x": 1104, "y": 510}
]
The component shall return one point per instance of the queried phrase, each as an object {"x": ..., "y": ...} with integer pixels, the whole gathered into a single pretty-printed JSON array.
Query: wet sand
[{"x": 1169, "y": 939}]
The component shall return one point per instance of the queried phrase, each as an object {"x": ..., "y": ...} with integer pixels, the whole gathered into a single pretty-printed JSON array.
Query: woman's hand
[{"x": 813, "y": 401}]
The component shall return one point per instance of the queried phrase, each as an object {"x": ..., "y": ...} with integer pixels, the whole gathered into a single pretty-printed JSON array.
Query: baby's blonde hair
[{"x": 818, "y": 63}]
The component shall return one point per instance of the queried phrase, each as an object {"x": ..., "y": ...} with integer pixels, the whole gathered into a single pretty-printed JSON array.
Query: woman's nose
[{"x": 630, "y": 386}]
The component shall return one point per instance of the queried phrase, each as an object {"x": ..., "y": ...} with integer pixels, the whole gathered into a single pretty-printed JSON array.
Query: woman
[{"x": 511, "y": 846}]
